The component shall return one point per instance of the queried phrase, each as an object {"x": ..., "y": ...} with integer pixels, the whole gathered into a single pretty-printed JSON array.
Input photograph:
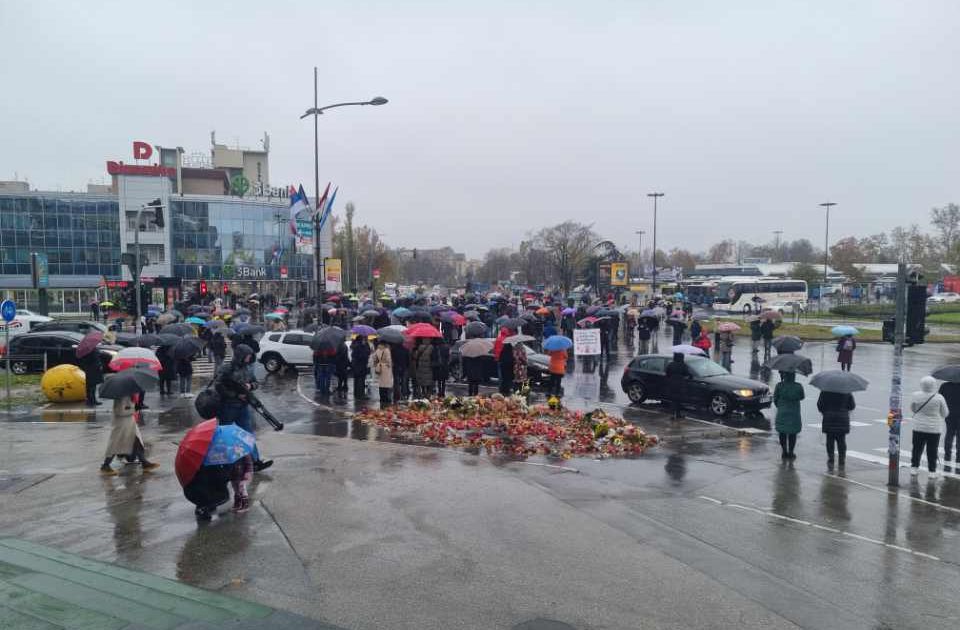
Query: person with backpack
[
  {"x": 440, "y": 364},
  {"x": 845, "y": 348},
  {"x": 930, "y": 411}
]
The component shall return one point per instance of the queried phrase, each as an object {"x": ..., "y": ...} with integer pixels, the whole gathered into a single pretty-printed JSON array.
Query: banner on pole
[
  {"x": 332, "y": 273},
  {"x": 304, "y": 236},
  {"x": 618, "y": 274},
  {"x": 586, "y": 342}
]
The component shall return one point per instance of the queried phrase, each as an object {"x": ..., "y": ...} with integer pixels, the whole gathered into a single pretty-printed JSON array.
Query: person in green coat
[{"x": 787, "y": 396}]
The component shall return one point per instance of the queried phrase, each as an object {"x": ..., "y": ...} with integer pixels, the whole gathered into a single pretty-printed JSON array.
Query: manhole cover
[{"x": 543, "y": 624}]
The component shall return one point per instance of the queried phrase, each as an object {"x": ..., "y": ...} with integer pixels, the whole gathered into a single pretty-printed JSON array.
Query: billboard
[
  {"x": 304, "y": 236},
  {"x": 332, "y": 272},
  {"x": 618, "y": 274}
]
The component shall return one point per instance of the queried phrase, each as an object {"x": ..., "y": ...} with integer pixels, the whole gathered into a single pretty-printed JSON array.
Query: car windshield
[{"x": 704, "y": 368}]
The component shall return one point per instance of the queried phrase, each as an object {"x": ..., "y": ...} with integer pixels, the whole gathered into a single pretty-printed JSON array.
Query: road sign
[
  {"x": 376, "y": 274},
  {"x": 8, "y": 310}
]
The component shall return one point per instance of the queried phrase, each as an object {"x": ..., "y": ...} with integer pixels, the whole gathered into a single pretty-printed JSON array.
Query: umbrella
[
  {"x": 333, "y": 298},
  {"x": 454, "y": 318},
  {"x": 209, "y": 444},
  {"x": 360, "y": 329},
  {"x": 593, "y": 309},
  {"x": 557, "y": 342},
  {"x": 89, "y": 343},
  {"x": 512, "y": 339},
  {"x": 370, "y": 313},
  {"x": 843, "y": 331},
  {"x": 702, "y": 315},
  {"x": 586, "y": 321},
  {"x": 328, "y": 338},
  {"x": 648, "y": 312},
  {"x": 186, "y": 348},
  {"x": 685, "y": 348},
  {"x": 569, "y": 311},
  {"x": 107, "y": 303},
  {"x": 177, "y": 314},
  {"x": 248, "y": 329},
  {"x": 128, "y": 382},
  {"x": 401, "y": 312},
  {"x": 439, "y": 308},
  {"x": 242, "y": 311},
  {"x": 421, "y": 317},
  {"x": 166, "y": 318},
  {"x": 503, "y": 319},
  {"x": 839, "y": 381},
  {"x": 513, "y": 323},
  {"x": 770, "y": 314},
  {"x": 391, "y": 334},
  {"x": 476, "y": 329},
  {"x": 215, "y": 323},
  {"x": 789, "y": 362},
  {"x": 177, "y": 329},
  {"x": 148, "y": 340},
  {"x": 312, "y": 327},
  {"x": 787, "y": 344},
  {"x": 195, "y": 320},
  {"x": 608, "y": 312},
  {"x": 167, "y": 340},
  {"x": 422, "y": 331},
  {"x": 194, "y": 308},
  {"x": 133, "y": 357},
  {"x": 273, "y": 316},
  {"x": 948, "y": 373},
  {"x": 282, "y": 310},
  {"x": 471, "y": 314},
  {"x": 728, "y": 327},
  {"x": 543, "y": 310},
  {"x": 474, "y": 348}
]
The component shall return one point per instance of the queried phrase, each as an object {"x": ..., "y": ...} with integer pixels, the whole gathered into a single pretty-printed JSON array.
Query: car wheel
[
  {"x": 19, "y": 368},
  {"x": 636, "y": 392},
  {"x": 720, "y": 405},
  {"x": 273, "y": 363}
]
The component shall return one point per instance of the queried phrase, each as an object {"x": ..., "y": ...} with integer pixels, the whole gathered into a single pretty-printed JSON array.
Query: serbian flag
[
  {"x": 321, "y": 201},
  {"x": 329, "y": 209},
  {"x": 298, "y": 204}
]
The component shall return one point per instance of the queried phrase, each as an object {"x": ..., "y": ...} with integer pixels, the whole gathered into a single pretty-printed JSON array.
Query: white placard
[{"x": 586, "y": 342}]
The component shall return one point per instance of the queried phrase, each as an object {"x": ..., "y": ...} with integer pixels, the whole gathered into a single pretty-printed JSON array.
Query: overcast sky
[{"x": 508, "y": 116}]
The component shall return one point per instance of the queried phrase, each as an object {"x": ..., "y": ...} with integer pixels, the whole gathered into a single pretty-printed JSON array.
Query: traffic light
[
  {"x": 916, "y": 312},
  {"x": 157, "y": 206},
  {"x": 203, "y": 287},
  {"x": 226, "y": 288}
]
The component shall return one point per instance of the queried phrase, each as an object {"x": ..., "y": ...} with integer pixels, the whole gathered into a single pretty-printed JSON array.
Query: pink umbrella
[
  {"x": 728, "y": 327},
  {"x": 89, "y": 343}
]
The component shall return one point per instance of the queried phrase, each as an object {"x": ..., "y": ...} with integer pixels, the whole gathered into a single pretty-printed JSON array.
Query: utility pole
[
  {"x": 826, "y": 252},
  {"x": 655, "y": 195},
  {"x": 895, "y": 414},
  {"x": 640, "y": 233},
  {"x": 776, "y": 248}
]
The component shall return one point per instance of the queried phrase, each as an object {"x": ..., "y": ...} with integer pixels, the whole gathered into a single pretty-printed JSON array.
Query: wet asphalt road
[{"x": 711, "y": 530}]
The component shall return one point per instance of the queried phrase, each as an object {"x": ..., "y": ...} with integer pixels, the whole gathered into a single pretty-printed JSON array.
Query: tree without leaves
[
  {"x": 947, "y": 222},
  {"x": 722, "y": 252},
  {"x": 568, "y": 246}
]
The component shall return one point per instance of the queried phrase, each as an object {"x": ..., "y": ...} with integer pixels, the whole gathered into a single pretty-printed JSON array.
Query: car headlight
[{"x": 743, "y": 393}]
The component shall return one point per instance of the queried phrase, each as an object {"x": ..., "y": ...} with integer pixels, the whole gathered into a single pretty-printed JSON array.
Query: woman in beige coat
[
  {"x": 125, "y": 438},
  {"x": 382, "y": 362}
]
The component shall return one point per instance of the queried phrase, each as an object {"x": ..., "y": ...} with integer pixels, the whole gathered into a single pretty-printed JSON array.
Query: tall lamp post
[
  {"x": 640, "y": 233},
  {"x": 316, "y": 111},
  {"x": 655, "y": 195},
  {"x": 826, "y": 250}
]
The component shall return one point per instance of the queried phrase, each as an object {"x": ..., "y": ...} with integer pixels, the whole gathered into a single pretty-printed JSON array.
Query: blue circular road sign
[{"x": 8, "y": 310}]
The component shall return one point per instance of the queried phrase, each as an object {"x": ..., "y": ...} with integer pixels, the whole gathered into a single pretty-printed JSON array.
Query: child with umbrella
[
  {"x": 209, "y": 456},
  {"x": 557, "y": 347}
]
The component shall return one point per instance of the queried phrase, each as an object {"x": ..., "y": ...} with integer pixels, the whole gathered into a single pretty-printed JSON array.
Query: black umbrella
[
  {"x": 476, "y": 329},
  {"x": 168, "y": 341},
  {"x": 787, "y": 344},
  {"x": 529, "y": 316},
  {"x": 126, "y": 339},
  {"x": 390, "y": 334},
  {"x": 128, "y": 382},
  {"x": 839, "y": 382},
  {"x": 947, "y": 373},
  {"x": 148, "y": 340},
  {"x": 371, "y": 313},
  {"x": 420, "y": 316},
  {"x": 514, "y": 323},
  {"x": 789, "y": 362},
  {"x": 180, "y": 330},
  {"x": 328, "y": 338},
  {"x": 250, "y": 329},
  {"x": 186, "y": 348}
]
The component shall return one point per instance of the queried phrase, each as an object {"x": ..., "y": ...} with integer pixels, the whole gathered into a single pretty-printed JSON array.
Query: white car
[
  {"x": 24, "y": 322},
  {"x": 944, "y": 298},
  {"x": 279, "y": 350}
]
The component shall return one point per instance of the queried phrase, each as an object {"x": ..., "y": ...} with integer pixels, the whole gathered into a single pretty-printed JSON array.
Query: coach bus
[{"x": 752, "y": 295}]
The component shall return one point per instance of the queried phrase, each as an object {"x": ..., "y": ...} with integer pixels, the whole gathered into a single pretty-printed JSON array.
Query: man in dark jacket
[
  {"x": 677, "y": 375},
  {"x": 400, "y": 357},
  {"x": 93, "y": 371},
  {"x": 755, "y": 336},
  {"x": 359, "y": 363},
  {"x": 766, "y": 331},
  {"x": 835, "y": 409},
  {"x": 234, "y": 381},
  {"x": 951, "y": 393}
]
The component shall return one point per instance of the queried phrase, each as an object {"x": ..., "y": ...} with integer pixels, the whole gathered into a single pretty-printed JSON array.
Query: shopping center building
[{"x": 223, "y": 224}]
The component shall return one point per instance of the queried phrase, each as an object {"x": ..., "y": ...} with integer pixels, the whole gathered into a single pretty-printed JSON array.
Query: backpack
[{"x": 207, "y": 402}]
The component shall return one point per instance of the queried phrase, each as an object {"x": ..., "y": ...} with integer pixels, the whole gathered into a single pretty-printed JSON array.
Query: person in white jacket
[{"x": 929, "y": 414}]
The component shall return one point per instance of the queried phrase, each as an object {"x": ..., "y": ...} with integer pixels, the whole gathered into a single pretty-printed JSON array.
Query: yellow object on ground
[{"x": 64, "y": 383}]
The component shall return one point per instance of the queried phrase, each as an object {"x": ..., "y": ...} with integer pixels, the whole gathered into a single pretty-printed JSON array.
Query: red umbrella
[
  {"x": 88, "y": 343},
  {"x": 422, "y": 330},
  {"x": 193, "y": 449},
  {"x": 457, "y": 319},
  {"x": 588, "y": 320}
]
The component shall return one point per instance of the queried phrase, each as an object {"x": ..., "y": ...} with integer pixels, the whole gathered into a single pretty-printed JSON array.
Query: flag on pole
[
  {"x": 298, "y": 204},
  {"x": 329, "y": 209},
  {"x": 321, "y": 201}
]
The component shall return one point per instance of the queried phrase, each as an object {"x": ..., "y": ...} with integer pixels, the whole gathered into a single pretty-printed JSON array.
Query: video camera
[{"x": 257, "y": 405}]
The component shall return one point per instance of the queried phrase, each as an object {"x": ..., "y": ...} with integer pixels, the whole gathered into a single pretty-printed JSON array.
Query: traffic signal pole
[{"x": 895, "y": 414}]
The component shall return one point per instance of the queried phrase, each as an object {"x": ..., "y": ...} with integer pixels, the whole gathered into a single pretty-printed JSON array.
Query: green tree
[{"x": 806, "y": 271}]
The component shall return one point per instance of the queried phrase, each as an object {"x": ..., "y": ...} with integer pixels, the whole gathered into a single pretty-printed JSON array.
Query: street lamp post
[
  {"x": 655, "y": 195},
  {"x": 640, "y": 233},
  {"x": 826, "y": 249},
  {"x": 777, "y": 234},
  {"x": 316, "y": 111}
]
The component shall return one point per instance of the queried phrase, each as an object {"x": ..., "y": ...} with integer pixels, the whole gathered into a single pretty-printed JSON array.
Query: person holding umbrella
[
  {"x": 210, "y": 456},
  {"x": 383, "y": 371},
  {"x": 845, "y": 347},
  {"x": 766, "y": 332},
  {"x": 233, "y": 383},
  {"x": 341, "y": 368},
  {"x": 422, "y": 367},
  {"x": 835, "y": 404},
  {"x": 359, "y": 363},
  {"x": 89, "y": 361},
  {"x": 727, "y": 341},
  {"x": 218, "y": 348},
  {"x": 183, "y": 354},
  {"x": 929, "y": 413},
  {"x": 786, "y": 397},
  {"x": 557, "y": 347},
  {"x": 677, "y": 373},
  {"x": 950, "y": 391},
  {"x": 440, "y": 364},
  {"x": 125, "y": 438}
]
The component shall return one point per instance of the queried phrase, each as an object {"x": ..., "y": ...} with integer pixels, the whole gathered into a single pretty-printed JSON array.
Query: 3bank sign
[{"x": 244, "y": 272}]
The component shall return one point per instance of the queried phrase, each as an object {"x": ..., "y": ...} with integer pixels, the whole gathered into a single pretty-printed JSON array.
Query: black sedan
[
  {"x": 709, "y": 386},
  {"x": 538, "y": 365},
  {"x": 31, "y": 352},
  {"x": 71, "y": 325}
]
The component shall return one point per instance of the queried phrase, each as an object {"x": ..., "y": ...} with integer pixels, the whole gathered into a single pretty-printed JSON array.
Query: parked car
[
  {"x": 944, "y": 298},
  {"x": 25, "y": 321},
  {"x": 285, "y": 349},
  {"x": 74, "y": 325},
  {"x": 27, "y": 352},
  {"x": 710, "y": 386},
  {"x": 538, "y": 365}
]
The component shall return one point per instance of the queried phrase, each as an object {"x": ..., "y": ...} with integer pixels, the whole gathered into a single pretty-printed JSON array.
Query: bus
[
  {"x": 700, "y": 293},
  {"x": 752, "y": 295}
]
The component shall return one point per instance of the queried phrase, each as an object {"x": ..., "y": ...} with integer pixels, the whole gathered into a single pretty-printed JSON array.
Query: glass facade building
[
  {"x": 80, "y": 233},
  {"x": 234, "y": 239}
]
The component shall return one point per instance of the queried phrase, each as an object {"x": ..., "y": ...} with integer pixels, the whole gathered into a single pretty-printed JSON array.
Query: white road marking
[
  {"x": 853, "y": 423},
  {"x": 894, "y": 492},
  {"x": 783, "y": 517}
]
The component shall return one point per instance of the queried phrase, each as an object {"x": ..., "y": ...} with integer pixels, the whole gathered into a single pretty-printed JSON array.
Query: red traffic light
[
  {"x": 226, "y": 288},
  {"x": 203, "y": 287}
]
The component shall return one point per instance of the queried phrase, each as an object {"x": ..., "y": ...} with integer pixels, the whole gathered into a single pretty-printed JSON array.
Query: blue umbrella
[
  {"x": 557, "y": 342},
  {"x": 401, "y": 312},
  {"x": 273, "y": 316},
  {"x": 229, "y": 444},
  {"x": 195, "y": 320},
  {"x": 843, "y": 331}
]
